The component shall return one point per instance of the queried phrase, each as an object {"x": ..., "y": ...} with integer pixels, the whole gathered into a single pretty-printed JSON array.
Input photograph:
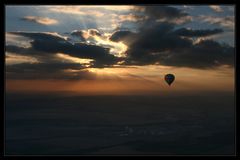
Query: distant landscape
[{"x": 73, "y": 125}]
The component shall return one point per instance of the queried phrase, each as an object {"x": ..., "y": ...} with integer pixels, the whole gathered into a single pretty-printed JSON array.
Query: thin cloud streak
[{"x": 40, "y": 20}]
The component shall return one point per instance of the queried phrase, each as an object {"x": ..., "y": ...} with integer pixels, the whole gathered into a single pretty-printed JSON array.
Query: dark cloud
[
  {"x": 45, "y": 46},
  {"x": 43, "y": 57},
  {"x": 157, "y": 12},
  {"x": 78, "y": 34},
  {"x": 42, "y": 67},
  {"x": 162, "y": 44},
  {"x": 197, "y": 33},
  {"x": 157, "y": 38},
  {"x": 26, "y": 51},
  {"x": 41, "y": 36},
  {"x": 146, "y": 16},
  {"x": 94, "y": 32},
  {"x": 206, "y": 54},
  {"x": 159, "y": 42},
  {"x": 50, "y": 43},
  {"x": 122, "y": 36},
  {"x": 48, "y": 71},
  {"x": 160, "y": 38}
]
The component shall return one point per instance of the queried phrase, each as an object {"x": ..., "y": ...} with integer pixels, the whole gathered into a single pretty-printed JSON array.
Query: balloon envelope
[{"x": 169, "y": 78}]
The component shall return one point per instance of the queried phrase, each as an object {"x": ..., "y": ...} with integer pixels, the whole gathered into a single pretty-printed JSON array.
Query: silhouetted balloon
[{"x": 169, "y": 78}]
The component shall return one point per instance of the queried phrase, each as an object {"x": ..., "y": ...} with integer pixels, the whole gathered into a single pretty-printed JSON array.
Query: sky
[{"x": 118, "y": 49}]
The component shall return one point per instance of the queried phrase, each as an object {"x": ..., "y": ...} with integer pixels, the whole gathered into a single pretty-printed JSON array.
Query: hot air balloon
[{"x": 169, "y": 78}]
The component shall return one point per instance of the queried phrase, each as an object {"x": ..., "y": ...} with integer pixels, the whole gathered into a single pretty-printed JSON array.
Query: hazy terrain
[{"x": 60, "y": 124}]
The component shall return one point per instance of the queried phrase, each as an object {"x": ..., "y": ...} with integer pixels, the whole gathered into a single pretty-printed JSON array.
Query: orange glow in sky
[{"x": 135, "y": 80}]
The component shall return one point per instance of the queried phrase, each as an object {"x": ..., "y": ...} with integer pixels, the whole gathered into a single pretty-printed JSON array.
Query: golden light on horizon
[
  {"x": 84, "y": 61},
  {"x": 12, "y": 58},
  {"x": 135, "y": 80}
]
